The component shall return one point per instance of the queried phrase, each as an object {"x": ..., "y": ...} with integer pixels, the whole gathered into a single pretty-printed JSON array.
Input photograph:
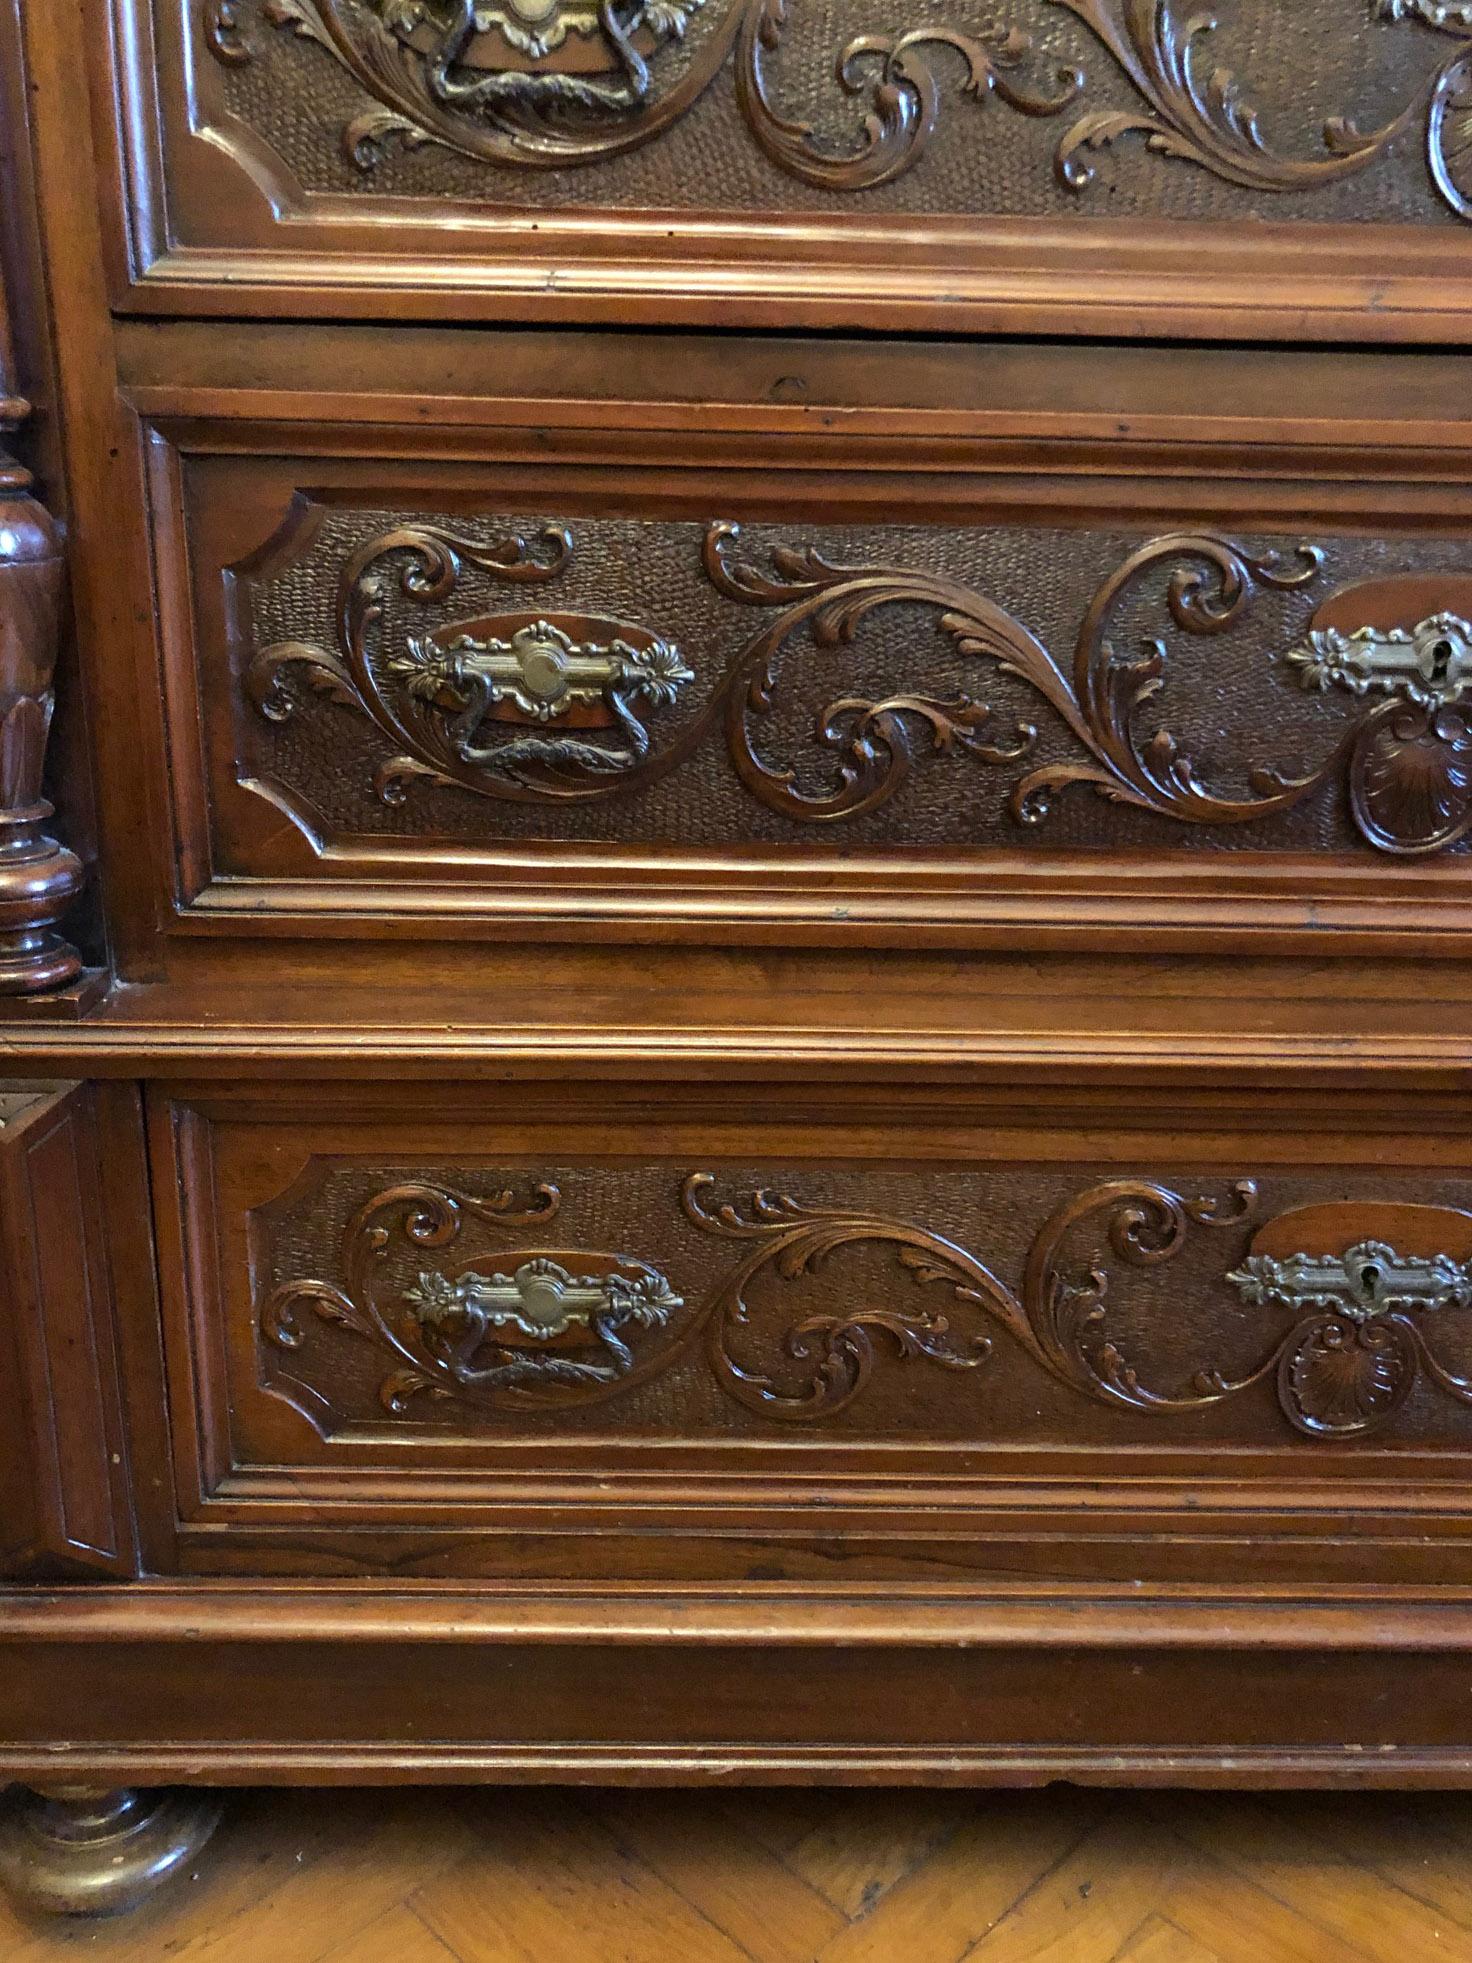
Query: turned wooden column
[{"x": 39, "y": 878}]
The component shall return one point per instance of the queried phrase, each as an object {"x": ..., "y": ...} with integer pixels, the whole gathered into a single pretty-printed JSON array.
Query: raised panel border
[
  {"x": 295, "y": 255},
  {"x": 805, "y": 1504},
  {"x": 848, "y": 448},
  {"x": 78, "y": 1286}
]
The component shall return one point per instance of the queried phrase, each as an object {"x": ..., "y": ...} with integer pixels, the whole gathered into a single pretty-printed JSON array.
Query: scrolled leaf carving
[
  {"x": 418, "y": 62},
  {"x": 580, "y": 81},
  {"x": 903, "y": 90},
  {"x": 549, "y": 705},
  {"x": 437, "y": 699},
  {"x": 827, "y": 1360},
  {"x": 1351, "y": 1315},
  {"x": 1099, "y": 699},
  {"x": 547, "y": 1329},
  {"x": 872, "y": 742},
  {"x": 431, "y": 1345},
  {"x": 1147, "y": 1226},
  {"x": 222, "y": 28},
  {"x": 1194, "y": 110}
]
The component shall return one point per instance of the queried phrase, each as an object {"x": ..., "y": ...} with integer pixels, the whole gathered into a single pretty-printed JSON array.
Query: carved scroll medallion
[
  {"x": 556, "y": 82},
  {"x": 1404, "y": 647},
  {"x": 519, "y": 705},
  {"x": 1366, "y": 1309}
]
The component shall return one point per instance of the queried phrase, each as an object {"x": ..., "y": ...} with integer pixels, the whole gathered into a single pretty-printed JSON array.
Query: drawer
[
  {"x": 1117, "y": 167},
  {"x": 940, "y": 655},
  {"x": 557, "y": 1330}
]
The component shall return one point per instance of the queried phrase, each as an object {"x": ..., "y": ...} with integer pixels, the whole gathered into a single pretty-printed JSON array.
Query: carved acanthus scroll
[
  {"x": 555, "y": 82},
  {"x": 550, "y": 706},
  {"x": 1349, "y": 1291}
]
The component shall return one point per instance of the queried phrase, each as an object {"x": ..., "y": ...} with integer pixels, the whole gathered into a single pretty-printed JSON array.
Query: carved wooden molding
[
  {"x": 576, "y": 83},
  {"x": 39, "y": 878},
  {"x": 548, "y": 707}
]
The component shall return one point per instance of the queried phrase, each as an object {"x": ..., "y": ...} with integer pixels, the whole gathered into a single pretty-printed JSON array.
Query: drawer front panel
[
  {"x": 1100, "y": 165},
  {"x": 702, "y": 699},
  {"x": 552, "y": 1311}
]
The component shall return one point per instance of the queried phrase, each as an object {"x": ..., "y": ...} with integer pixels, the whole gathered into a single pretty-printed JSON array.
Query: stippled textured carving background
[
  {"x": 1299, "y": 66},
  {"x": 1170, "y": 1321},
  {"x": 1230, "y": 703}
]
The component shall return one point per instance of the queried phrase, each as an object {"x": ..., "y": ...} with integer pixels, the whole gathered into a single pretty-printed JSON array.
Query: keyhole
[
  {"x": 1370, "y": 1277},
  {"x": 1441, "y": 660}
]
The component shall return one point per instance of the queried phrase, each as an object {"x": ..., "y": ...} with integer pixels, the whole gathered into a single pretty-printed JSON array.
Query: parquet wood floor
[{"x": 515, "y": 1876}]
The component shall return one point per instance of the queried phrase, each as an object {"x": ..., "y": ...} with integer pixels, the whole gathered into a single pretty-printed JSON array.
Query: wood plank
[
  {"x": 1089, "y": 1904},
  {"x": 950, "y": 1901},
  {"x": 868, "y": 1842},
  {"x": 769, "y": 1911},
  {"x": 547, "y": 1880},
  {"x": 398, "y": 1937},
  {"x": 488, "y": 1876},
  {"x": 1408, "y": 1844},
  {"x": 1159, "y": 1941}
]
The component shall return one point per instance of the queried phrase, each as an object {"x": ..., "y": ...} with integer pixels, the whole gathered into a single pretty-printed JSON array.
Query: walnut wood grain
[
  {"x": 65, "y": 1467},
  {"x": 966, "y": 1314},
  {"x": 922, "y": 729},
  {"x": 326, "y": 158},
  {"x": 619, "y": 1212},
  {"x": 1011, "y": 1687}
]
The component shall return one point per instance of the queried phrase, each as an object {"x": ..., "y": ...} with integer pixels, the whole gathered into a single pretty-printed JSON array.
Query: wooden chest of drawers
[{"x": 742, "y": 1041}]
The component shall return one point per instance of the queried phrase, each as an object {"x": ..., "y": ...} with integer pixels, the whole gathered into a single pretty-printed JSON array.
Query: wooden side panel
[{"x": 63, "y": 1454}]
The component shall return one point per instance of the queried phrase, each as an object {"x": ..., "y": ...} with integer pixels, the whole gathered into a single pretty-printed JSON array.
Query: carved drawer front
[
  {"x": 397, "y": 696},
  {"x": 461, "y": 1328},
  {"x": 1096, "y": 165}
]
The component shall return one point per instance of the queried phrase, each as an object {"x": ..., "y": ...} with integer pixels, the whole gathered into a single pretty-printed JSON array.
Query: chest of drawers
[{"x": 737, "y": 984}]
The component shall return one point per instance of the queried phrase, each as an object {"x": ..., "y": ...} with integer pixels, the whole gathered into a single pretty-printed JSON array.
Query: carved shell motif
[
  {"x": 1360, "y": 1343},
  {"x": 1410, "y": 763}
]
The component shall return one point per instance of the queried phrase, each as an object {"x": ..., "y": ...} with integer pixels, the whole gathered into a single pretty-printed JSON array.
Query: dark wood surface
[
  {"x": 621, "y": 1200},
  {"x": 888, "y": 596},
  {"x": 879, "y": 1314},
  {"x": 1092, "y": 167},
  {"x": 71, "y": 1168}
]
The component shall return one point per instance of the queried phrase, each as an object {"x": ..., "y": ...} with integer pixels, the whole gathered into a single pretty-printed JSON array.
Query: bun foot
[{"x": 70, "y": 1850}]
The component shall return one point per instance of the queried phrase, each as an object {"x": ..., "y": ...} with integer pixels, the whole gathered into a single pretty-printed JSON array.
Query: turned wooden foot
[{"x": 74, "y": 1851}]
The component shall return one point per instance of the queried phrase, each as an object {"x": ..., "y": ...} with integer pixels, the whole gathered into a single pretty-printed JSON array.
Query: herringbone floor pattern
[{"x": 896, "y": 1877}]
